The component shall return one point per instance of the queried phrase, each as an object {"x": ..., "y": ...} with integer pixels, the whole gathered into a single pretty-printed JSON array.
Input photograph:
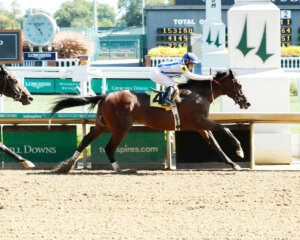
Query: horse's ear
[
  {"x": 3, "y": 68},
  {"x": 230, "y": 72}
]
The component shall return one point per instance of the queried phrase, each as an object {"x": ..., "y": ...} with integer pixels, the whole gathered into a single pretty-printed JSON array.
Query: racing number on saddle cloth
[
  {"x": 155, "y": 102},
  {"x": 157, "y": 97}
]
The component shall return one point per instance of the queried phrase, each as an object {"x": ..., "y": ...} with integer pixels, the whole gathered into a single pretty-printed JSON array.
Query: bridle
[
  {"x": 237, "y": 89},
  {"x": 17, "y": 94}
]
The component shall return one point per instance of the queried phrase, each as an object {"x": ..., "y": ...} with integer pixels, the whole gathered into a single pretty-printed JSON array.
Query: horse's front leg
[
  {"x": 16, "y": 157},
  {"x": 207, "y": 124},
  {"x": 210, "y": 139}
]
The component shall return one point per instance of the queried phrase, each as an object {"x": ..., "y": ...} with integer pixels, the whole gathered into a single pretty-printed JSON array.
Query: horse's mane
[{"x": 191, "y": 82}]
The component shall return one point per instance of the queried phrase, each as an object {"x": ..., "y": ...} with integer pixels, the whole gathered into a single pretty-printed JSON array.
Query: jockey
[{"x": 170, "y": 73}]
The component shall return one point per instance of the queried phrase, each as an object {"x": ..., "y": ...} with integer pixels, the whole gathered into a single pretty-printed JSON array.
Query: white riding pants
[{"x": 160, "y": 78}]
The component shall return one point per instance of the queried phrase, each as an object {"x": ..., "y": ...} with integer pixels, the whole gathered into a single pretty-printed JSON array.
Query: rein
[
  {"x": 3, "y": 89},
  {"x": 236, "y": 98}
]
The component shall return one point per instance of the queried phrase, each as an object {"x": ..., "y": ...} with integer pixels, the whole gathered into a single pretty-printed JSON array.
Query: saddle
[{"x": 155, "y": 97}]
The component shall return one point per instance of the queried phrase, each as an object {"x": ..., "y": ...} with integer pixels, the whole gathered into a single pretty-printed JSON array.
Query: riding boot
[{"x": 167, "y": 98}]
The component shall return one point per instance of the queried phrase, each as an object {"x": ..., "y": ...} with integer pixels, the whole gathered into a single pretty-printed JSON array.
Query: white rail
[
  {"x": 287, "y": 63},
  {"x": 68, "y": 62},
  {"x": 292, "y": 63}
]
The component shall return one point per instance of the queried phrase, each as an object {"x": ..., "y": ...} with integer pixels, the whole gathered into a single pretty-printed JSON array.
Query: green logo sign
[
  {"x": 137, "y": 147},
  {"x": 210, "y": 41},
  {"x": 262, "y": 50},
  {"x": 34, "y": 85},
  {"x": 40, "y": 145}
]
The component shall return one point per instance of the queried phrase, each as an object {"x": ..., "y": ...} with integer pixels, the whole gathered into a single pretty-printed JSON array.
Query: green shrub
[
  {"x": 67, "y": 44},
  {"x": 293, "y": 87},
  {"x": 72, "y": 44},
  {"x": 290, "y": 51}
]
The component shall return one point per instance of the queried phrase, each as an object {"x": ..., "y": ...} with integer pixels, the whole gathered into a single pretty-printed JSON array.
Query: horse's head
[
  {"x": 11, "y": 87},
  {"x": 232, "y": 88}
]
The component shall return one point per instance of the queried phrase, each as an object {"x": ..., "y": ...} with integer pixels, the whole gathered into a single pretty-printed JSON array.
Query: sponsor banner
[
  {"x": 35, "y": 85},
  {"x": 52, "y": 85},
  {"x": 66, "y": 86},
  {"x": 40, "y": 144},
  {"x": 140, "y": 146},
  {"x": 40, "y": 56},
  {"x": 97, "y": 85},
  {"x": 46, "y": 115},
  {"x": 140, "y": 85}
]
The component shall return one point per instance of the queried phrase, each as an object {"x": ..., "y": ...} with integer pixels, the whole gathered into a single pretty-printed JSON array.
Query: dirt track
[{"x": 150, "y": 205}]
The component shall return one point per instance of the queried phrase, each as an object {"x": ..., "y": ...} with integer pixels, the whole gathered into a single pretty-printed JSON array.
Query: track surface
[{"x": 150, "y": 205}]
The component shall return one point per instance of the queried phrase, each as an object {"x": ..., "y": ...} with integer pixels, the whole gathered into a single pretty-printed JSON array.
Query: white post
[
  {"x": 254, "y": 55},
  {"x": 81, "y": 74},
  {"x": 214, "y": 54},
  {"x": 95, "y": 14},
  {"x": 143, "y": 16}
]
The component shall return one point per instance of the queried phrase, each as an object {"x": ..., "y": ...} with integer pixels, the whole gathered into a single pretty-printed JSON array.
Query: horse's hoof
[
  {"x": 28, "y": 164},
  {"x": 236, "y": 168},
  {"x": 118, "y": 171},
  {"x": 240, "y": 153},
  {"x": 63, "y": 167}
]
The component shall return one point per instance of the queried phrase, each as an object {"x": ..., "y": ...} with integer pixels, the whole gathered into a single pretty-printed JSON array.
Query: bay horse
[
  {"x": 118, "y": 111},
  {"x": 11, "y": 87}
]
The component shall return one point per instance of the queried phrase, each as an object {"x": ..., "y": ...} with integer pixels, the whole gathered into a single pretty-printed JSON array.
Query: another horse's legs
[
  {"x": 209, "y": 137},
  {"x": 26, "y": 163},
  {"x": 65, "y": 167},
  {"x": 212, "y": 126}
]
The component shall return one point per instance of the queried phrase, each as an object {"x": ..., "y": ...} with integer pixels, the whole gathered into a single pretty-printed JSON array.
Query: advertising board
[
  {"x": 11, "y": 46},
  {"x": 141, "y": 146},
  {"x": 141, "y": 85},
  {"x": 40, "y": 144}
]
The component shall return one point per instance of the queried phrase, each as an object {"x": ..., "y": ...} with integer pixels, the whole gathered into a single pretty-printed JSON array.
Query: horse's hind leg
[
  {"x": 209, "y": 137},
  {"x": 65, "y": 167},
  {"x": 112, "y": 146}
]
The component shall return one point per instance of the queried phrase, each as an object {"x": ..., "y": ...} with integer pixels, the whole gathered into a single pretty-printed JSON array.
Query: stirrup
[{"x": 167, "y": 102}]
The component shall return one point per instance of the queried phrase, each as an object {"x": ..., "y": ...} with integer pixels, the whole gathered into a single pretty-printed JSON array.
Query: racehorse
[
  {"x": 11, "y": 87},
  {"x": 118, "y": 111}
]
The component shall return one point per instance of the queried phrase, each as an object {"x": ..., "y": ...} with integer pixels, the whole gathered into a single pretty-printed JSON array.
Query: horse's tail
[{"x": 76, "y": 101}]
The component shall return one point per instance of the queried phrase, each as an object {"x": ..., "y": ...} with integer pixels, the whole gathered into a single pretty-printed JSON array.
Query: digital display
[
  {"x": 285, "y": 22},
  {"x": 286, "y": 30},
  {"x": 200, "y": 2},
  {"x": 175, "y": 30},
  {"x": 173, "y": 36},
  {"x": 286, "y": 38},
  {"x": 231, "y": 2},
  {"x": 173, "y": 45}
]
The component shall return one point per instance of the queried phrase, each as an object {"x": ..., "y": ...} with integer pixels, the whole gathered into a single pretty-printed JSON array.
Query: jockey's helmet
[{"x": 189, "y": 58}]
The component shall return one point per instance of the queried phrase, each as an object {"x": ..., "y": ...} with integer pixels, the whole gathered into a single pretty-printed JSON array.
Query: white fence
[
  {"x": 290, "y": 63},
  {"x": 287, "y": 63},
  {"x": 68, "y": 62}
]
